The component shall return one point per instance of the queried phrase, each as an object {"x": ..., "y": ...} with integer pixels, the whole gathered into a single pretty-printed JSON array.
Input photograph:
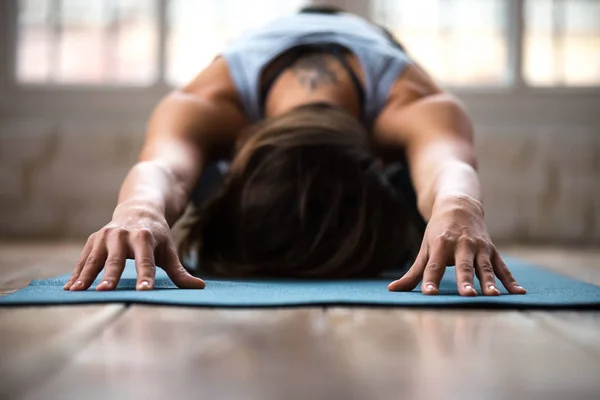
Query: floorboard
[
  {"x": 581, "y": 328},
  {"x": 118, "y": 352},
  {"x": 36, "y": 342},
  {"x": 161, "y": 353},
  {"x": 582, "y": 264},
  {"x": 431, "y": 355},
  {"x": 20, "y": 262}
]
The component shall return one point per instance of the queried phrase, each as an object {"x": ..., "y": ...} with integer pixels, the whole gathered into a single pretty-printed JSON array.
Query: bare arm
[
  {"x": 440, "y": 152},
  {"x": 185, "y": 132},
  {"x": 188, "y": 128},
  {"x": 437, "y": 136}
]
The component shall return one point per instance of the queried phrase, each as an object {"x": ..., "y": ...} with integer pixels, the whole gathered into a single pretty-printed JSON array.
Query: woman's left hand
[{"x": 456, "y": 235}]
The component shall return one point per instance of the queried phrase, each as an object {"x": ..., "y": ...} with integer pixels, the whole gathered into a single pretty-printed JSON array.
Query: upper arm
[
  {"x": 432, "y": 122},
  {"x": 194, "y": 125},
  {"x": 419, "y": 119},
  {"x": 419, "y": 113},
  {"x": 431, "y": 128}
]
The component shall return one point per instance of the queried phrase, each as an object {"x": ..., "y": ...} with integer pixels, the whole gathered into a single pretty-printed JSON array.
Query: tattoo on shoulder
[{"x": 314, "y": 70}]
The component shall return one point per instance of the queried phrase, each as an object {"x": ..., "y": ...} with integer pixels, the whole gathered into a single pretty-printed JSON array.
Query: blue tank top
[{"x": 381, "y": 60}]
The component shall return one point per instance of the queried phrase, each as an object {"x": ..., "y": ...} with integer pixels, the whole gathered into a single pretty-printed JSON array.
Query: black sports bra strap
[
  {"x": 336, "y": 51},
  {"x": 280, "y": 67}
]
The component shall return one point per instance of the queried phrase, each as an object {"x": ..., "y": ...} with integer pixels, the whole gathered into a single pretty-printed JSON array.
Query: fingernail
[
  {"x": 104, "y": 283},
  {"x": 78, "y": 284},
  {"x": 430, "y": 287},
  {"x": 468, "y": 287},
  {"x": 144, "y": 284},
  {"x": 494, "y": 288}
]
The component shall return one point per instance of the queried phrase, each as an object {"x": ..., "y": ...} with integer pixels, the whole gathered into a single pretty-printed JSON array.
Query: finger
[
  {"x": 178, "y": 274},
  {"x": 485, "y": 274},
  {"x": 118, "y": 247},
  {"x": 503, "y": 273},
  {"x": 413, "y": 276},
  {"x": 80, "y": 262},
  {"x": 436, "y": 266},
  {"x": 465, "y": 268},
  {"x": 143, "y": 247},
  {"x": 92, "y": 266}
]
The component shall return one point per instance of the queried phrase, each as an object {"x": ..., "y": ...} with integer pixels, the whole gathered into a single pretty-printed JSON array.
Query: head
[{"x": 303, "y": 198}]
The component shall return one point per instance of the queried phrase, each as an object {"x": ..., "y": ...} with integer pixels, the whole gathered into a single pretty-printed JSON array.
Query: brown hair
[{"x": 303, "y": 198}]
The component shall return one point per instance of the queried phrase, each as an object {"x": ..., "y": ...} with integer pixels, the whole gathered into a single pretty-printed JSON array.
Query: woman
[{"x": 312, "y": 111}]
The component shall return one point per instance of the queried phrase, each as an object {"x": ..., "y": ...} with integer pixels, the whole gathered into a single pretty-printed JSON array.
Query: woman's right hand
[{"x": 138, "y": 233}]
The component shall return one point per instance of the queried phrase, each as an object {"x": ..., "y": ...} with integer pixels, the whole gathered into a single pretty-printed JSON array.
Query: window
[
  {"x": 562, "y": 42},
  {"x": 198, "y": 30},
  {"x": 92, "y": 42},
  {"x": 461, "y": 42},
  {"x": 116, "y": 42}
]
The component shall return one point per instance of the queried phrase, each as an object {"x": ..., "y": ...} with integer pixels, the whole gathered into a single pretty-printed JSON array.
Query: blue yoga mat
[{"x": 545, "y": 290}]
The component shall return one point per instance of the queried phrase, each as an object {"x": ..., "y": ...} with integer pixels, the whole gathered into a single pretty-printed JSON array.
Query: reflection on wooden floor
[{"x": 119, "y": 352}]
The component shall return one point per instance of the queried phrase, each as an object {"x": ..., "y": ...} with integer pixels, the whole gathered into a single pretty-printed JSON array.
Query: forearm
[
  {"x": 457, "y": 185},
  {"x": 171, "y": 160},
  {"x": 444, "y": 175},
  {"x": 152, "y": 189}
]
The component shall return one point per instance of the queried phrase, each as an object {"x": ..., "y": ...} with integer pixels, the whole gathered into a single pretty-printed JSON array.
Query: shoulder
[
  {"x": 412, "y": 85},
  {"x": 219, "y": 116},
  {"x": 214, "y": 84},
  {"x": 418, "y": 109}
]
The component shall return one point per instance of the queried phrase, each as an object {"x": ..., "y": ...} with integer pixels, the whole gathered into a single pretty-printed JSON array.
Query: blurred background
[{"x": 79, "y": 78}]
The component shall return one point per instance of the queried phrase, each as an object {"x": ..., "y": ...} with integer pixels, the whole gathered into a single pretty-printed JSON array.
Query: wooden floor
[{"x": 131, "y": 352}]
